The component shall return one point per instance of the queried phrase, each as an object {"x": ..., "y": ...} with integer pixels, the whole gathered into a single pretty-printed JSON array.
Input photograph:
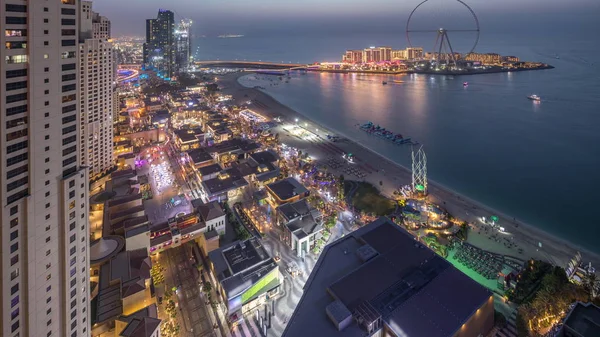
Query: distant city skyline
[{"x": 269, "y": 17}]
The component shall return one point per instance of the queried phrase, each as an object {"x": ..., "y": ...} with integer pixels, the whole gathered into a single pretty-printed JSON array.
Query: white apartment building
[
  {"x": 44, "y": 287},
  {"x": 97, "y": 74}
]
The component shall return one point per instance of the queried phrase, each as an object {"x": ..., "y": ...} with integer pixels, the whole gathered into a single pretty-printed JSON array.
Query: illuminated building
[
  {"x": 159, "y": 48},
  {"x": 183, "y": 44},
  {"x": 286, "y": 191},
  {"x": 301, "y": 225},
  {"x": 385, "y": 53},
  {"x": 353, "y": 56},
  {"x": 247, "y": 276},
  {"x": 399, "y": 54},
  {"x": 489, "y": 58},
  {"x": 44, "y": 282},
  {"x": 380, "y": 281},
  {"x": 414, "y": 53},
  {"x": 97, "y": 68},
  {"x": 510, "y": 59}
]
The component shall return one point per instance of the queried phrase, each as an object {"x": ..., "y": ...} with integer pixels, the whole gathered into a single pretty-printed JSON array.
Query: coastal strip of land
[
  {"x": 534, "y": 242},
  {"x": 432, "y": 72}
]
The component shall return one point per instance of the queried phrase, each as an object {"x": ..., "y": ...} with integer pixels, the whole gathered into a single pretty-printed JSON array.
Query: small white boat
[
  {"x": 534, "y": 98},
  {"x": 465, "y": 84}
]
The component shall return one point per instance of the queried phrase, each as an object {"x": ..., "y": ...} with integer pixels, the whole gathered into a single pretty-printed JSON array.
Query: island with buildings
[{"x": 415, "y": 60}]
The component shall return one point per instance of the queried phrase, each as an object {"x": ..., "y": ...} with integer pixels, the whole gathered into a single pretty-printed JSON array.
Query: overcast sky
[{"x": 262, "y": 17}]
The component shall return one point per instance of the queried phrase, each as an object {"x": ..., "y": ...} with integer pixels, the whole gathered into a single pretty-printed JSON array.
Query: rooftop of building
[
  {"x": 134, "y": 231},
  {"x": 264, "y": 157},
  {"x": 141, "y": 327},
  {"x": 210, "y": 169},
  {"x": 124, "y": 199},
  {"x": 227, "y": 180},
  {"x": 240, "y": 264},
  {"x": 105, "y": 248},
  {"x": 161, "y": 239},
  {"x": 126, "y": 212},
  {"x": 127, "y": 267},
  {"x": 233, "y": 145},
  {"x": 208, "y": 211},
  {"x": 141, "y": 323},
  {"x": 287, "y": 188},
  {"x": 199, "y": 156},
  {"x": 582, "y": 321},
  {"x": 188, "y": 135},
  {"x": 294, "y": 210},
  {"x": 381, "y": 272}
]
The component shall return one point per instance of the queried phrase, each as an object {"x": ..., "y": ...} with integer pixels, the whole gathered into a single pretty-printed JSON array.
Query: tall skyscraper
[
  {"x": 97, "y": 70},
  {"x": 44, "y": 288},
  {"x": 183, "y": 44},
  {"x": 159, "y": 49}
]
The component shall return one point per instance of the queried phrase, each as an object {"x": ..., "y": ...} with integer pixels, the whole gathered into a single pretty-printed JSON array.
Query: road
[{"x": 193, "y": 315}]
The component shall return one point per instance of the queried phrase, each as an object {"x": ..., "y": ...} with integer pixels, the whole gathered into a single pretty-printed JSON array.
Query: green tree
[{"x": 206, "y": 287}]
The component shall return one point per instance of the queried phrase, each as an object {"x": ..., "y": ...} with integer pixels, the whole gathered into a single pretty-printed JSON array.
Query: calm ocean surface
[{"x": 537, "y": 162}]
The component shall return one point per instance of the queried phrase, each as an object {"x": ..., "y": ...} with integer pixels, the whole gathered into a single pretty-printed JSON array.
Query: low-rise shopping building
[
  {"x": 247, "y": 276},
  {"x": 301, "y": 225}
]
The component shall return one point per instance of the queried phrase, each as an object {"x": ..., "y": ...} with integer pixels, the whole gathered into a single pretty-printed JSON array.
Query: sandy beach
[{"x": 378, "y": 169}]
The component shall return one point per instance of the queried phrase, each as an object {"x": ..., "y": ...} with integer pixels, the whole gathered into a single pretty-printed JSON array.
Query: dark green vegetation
[
  {"x": 545, "y": 293},
  {"x": 366, "y": 198}
]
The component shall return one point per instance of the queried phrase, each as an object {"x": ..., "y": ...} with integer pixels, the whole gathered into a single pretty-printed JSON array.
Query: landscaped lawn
[{"x": 368, "y": 199}]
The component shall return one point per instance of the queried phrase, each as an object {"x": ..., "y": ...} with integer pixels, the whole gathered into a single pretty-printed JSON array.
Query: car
[{"x": 180, "y": 214}]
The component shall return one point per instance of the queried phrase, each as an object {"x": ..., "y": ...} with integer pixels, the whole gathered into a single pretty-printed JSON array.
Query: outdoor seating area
[
  {"x": 484, "y": 263},
  {"x": 348, "y": 170}
]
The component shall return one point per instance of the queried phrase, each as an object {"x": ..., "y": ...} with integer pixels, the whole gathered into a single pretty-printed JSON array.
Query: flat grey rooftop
[
  {"x": 382, "y": 271},
  {"x": 583, "y": 320},
  {"x": 287, "y": 188}
]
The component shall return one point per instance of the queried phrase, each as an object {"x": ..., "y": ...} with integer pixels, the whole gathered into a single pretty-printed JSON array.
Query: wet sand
[{"x": 392, "y": 175}]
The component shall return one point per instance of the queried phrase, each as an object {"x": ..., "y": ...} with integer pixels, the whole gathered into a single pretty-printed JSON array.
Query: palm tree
[{"x": 590, "y": 284}]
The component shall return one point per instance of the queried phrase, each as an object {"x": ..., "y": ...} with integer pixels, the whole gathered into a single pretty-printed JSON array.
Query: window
[
  {"x": 16, "y": 85},
  {"x": 69, "y": 108},
  {"x": 15, "y": 20},
  {"x": 67, "y": 22},
  {"x": 45, "y": 32},
  {"x": 14, "y": 210},
  {"x": 14, "y": 326},
  {"x": 15, "y": 45},
  {"x": 67, "y": 55},
  {"x": 68, "y": 77},
  {"x": 14, "y": 260},
  {"x": 48, "y": 288},
  {"x": 17, "y": 183},
  {"x": 16, "y": 73},
  {"x": 16, "y": 147},
  {"x": 16, "y": 135},
  {"x": 15, "y": 32},
  {"x": 16, "y": 110},
  {"x": 69, "y": 66},
  {"x": 69, "y": 98},
  {"x": 47, "y": 114},
  {"x": 15, "y": 59},
  {"x": 47, "y": 240},
  {"x": 16, "y": 8},
  {"x": 68, "y": 32},
  {"x": 46, "y": 43},
  {"x": 17, "y": 159},
  {"x": 14, "y": 274},
  {"x": 14, "y": 289},
  {"x": 46, "y": 80},
  {"x": 68, "y": 87},
  {"x": 15, "y": 172},
  {"x": 45, "y": 9},
  {"x": 47, "y": 216},
  {"x": 16, "y": 98},
  {"x": 14, "y": 247},
  {"x": 14, "y": 301}
]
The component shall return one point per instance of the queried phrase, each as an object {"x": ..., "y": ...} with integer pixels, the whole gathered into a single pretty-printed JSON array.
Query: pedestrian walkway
[
  {"x": 246, "y": 328},
  {"x": 510, "y": 330}
]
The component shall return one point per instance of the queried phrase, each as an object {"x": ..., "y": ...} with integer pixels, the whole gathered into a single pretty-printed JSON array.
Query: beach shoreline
[{"x": 527, "y": 237}]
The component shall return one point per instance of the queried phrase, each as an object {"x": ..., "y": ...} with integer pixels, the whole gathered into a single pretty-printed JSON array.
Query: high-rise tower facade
[
  {"x": 159, "y": 49},
  {"x": 44, "y": 238},
  {"x": 183, "y": 44},
  {"x": 97, "y": 71}
]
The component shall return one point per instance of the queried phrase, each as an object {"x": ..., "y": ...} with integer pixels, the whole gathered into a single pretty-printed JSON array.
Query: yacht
[{"x": 534, "y": 98}]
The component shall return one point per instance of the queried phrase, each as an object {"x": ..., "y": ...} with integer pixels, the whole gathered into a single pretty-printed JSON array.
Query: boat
[
  {"x": 384, "y": 82},
  {"x": 534, "y": 97},
  {"x": 381, "y": 132},
  {"x": 465, "y": 84},
  {"x": 397, "y": 81}
]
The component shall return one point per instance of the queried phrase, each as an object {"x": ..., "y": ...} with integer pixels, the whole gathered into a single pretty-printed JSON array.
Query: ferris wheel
[{"x": 443, "y": 52}]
